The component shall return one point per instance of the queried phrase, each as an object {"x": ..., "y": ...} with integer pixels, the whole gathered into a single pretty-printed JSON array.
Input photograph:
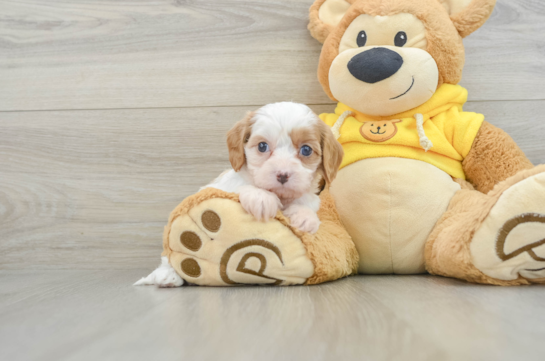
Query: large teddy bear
[{"x": 424, "y": 186}]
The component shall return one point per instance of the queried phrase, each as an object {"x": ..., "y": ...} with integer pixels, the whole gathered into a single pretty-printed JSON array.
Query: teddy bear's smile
[{"x": 408, "y": 90}]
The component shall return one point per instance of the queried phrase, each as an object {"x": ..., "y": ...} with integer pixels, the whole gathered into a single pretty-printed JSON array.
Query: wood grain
[
  {"x": 112, "y": 112},
  {"x": 137, "y": 54},
  {"x": 93, "y": 189},
  {"x": 98, "y": 315}
]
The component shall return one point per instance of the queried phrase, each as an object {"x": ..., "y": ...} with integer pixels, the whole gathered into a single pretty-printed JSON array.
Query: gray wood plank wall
[{"x": 112, "y": 112}]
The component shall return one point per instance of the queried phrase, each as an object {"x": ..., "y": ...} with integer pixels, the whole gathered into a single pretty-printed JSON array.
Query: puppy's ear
[
  {"x": 237, "y": 138},
  {"x": 332, "y": 153},
  {"x": 468, "y": 15},
  {"x": 324, "y": 15}
]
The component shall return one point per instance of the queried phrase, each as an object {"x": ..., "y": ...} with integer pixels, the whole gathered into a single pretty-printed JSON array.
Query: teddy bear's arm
[{"x": 494, "y": 157}]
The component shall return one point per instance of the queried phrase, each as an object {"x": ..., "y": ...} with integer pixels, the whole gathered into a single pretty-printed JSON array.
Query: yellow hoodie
[{"x": 442, "y": 121}]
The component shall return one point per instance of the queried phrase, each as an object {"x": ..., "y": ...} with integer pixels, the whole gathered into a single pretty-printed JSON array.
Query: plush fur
[
  {"x": 444, "y": 42},
  {"x": 331, "y": 249},
  {"x": 494, "y": 164},
  {"x": 493, "y": 158},
  {"x": 473, "y": 16},
  {"x": 447, "y": 250}
]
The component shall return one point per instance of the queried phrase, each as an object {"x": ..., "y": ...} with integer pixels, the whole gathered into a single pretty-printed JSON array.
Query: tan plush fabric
[
  {"x": 493, "y": 158},
  {"x": 448, "y": 250},
  {"x": 444, "y": 42},
  {"x": 389, "y": 206},
  {"x": 511, "y": 241},
  {"x": 211, "y": 240},
  {"x": 493, "y": 228},
  {"x": 331, "y": 249},
  {"x": 473, "y": 16},
  {"x": 320, "y": 28}
]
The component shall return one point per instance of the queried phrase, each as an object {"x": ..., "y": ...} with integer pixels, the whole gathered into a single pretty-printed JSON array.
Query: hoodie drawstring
[
  {"x": 424, "y": 140},
  {"x": 336, "y": 128}
]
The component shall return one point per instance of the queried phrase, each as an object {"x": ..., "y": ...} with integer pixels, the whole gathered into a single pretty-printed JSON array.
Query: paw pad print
[
  {"x": 511, "y": 241},
  {"x": 218, "y": 243}
]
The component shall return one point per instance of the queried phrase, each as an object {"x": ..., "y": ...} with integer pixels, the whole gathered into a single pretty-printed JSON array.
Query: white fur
[
  {"x": 163, "y": 276},
  {"x": 260, "y": 192}
]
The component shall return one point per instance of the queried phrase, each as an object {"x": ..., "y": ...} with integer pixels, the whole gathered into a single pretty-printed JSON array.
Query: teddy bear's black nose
[{"x": 375, "y": 65}]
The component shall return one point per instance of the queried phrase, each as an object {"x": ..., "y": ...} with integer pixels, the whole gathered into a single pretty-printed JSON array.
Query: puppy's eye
[
  {"x": 263, "y": 147},
  {"x": 306, "y": 151},
  {"x": 400, "y": 39},
  {"x": 362, "y": 38}
]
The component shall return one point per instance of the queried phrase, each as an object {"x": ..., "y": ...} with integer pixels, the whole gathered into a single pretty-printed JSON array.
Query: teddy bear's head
[{"x": 383, "y": 57}]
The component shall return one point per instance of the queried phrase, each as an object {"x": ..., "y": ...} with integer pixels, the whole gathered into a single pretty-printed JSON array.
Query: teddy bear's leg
[
  {"x": 211, "y": 240},
  {"x": 495, "y": 238}
]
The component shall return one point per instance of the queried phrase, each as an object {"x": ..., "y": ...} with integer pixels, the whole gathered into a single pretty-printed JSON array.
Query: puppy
[{"x": 280, "y": 154}]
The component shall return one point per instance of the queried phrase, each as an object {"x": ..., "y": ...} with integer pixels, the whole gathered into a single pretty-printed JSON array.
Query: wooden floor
[{"x": 112, "y": 112}]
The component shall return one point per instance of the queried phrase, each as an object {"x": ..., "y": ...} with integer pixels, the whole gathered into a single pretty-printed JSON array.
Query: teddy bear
[{"x": 423, "y": 187}]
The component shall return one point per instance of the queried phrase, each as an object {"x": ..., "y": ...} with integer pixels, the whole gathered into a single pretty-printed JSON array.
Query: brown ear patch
[
  {"x": 237, "y": 137},
  {"x": 332, "y": 153}
]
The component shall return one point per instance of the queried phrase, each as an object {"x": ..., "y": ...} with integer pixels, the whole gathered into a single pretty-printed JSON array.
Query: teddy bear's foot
[
  {"x": 217, "y": 243},
  {"x": 211, "y": 240},
  {"x": 510, "y": 243},
  {"x": 495, "y": 238}
]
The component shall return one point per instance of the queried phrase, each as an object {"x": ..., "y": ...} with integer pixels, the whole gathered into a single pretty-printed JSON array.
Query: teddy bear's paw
[
  {"x": 511, "y": 241},
  {"x": 217, "y": 243}
]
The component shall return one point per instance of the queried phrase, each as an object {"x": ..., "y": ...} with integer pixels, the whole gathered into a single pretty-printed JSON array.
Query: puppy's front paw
[
  {"x": 260, "y": 203},
  {"x": 303, "y": 218}
]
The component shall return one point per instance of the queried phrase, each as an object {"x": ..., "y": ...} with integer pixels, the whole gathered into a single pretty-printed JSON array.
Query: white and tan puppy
[{"x": 280, "y": 154}]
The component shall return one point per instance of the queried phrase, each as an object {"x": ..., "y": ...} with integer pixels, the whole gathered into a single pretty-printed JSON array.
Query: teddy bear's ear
[
  {"x": 468, "y": 15},
  {"x": 325, "y": 15}
]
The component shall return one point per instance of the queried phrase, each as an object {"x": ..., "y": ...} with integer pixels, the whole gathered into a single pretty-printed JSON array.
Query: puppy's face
[{"x": 286, "y": 148}]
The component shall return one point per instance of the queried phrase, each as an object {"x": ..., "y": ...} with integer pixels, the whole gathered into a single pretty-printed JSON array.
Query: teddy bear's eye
[
  {"x": 400, "y": 39},
  {"x": 362, "y": 38}
]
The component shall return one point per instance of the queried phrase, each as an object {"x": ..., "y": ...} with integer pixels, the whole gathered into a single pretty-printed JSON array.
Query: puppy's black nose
[
  {"x": 282, "y": 177},
  {"x": 375, "y": 65}
]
